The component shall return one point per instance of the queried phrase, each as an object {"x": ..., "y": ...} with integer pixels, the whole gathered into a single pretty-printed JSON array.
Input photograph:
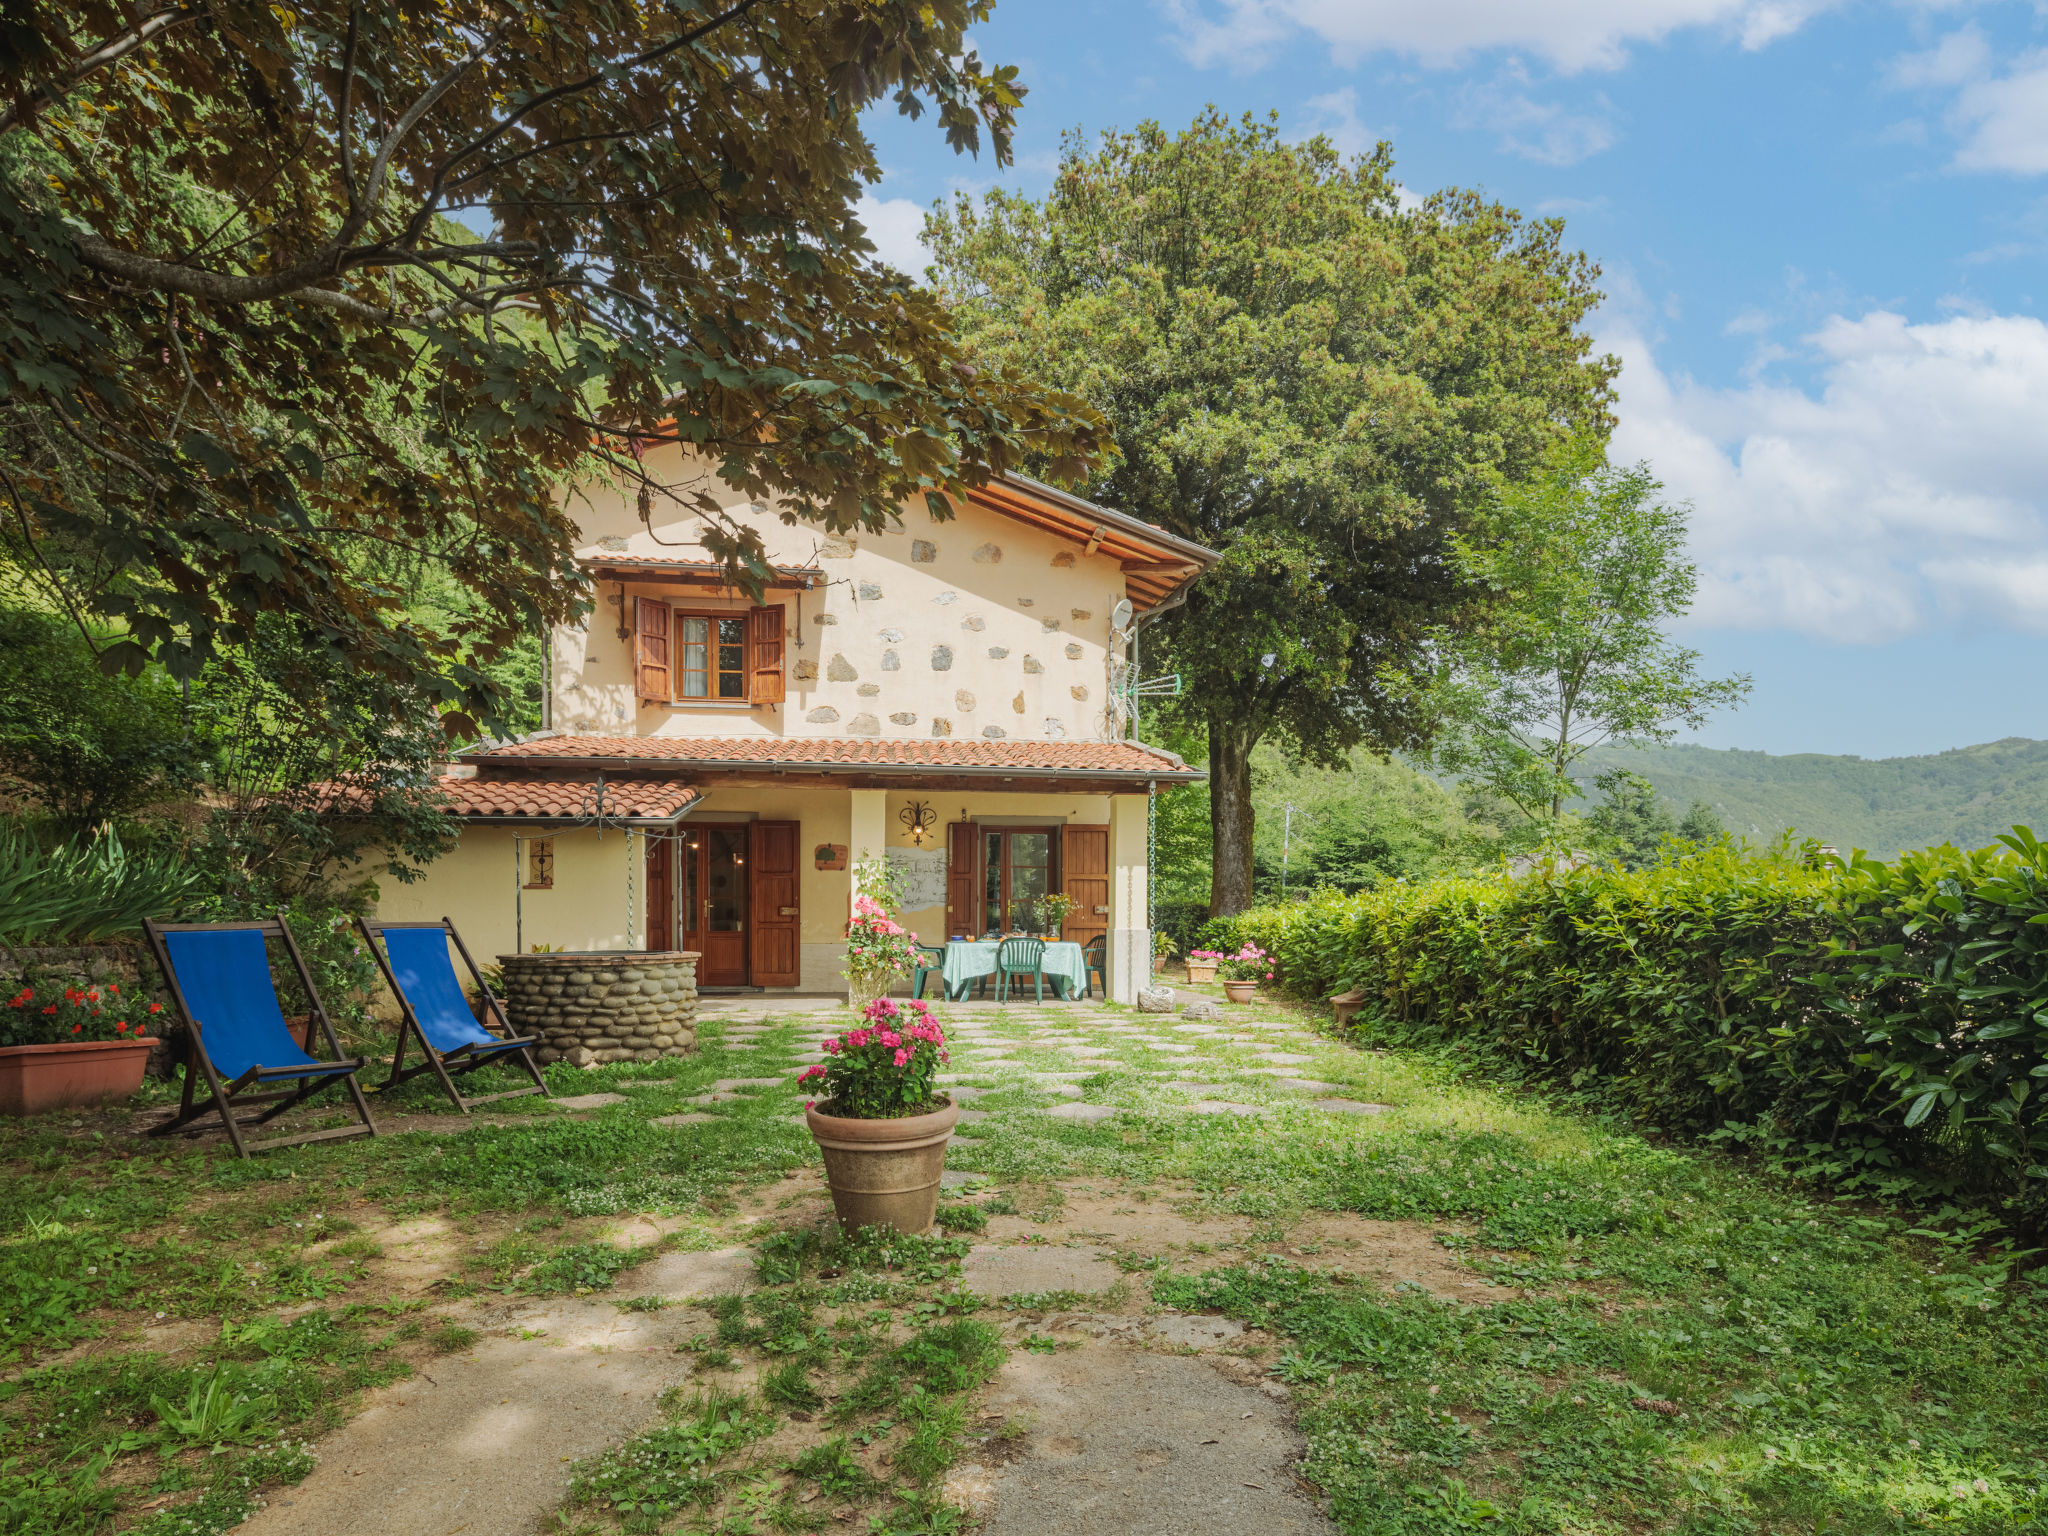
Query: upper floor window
[
  {"x": 680, "y": 656},
  {"x": 713, "y": 657}
]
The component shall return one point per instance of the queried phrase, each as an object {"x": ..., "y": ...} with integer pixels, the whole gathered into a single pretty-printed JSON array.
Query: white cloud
[
  {"x": 1536, "y": 130},
  {"x": 1910, "y": 485},
  {"x": 2000, "y": 118},
  {"x": 1570, "y": 34},
  {"x": 1335, "y": 116},
  {"x": 895, "y": 224}
]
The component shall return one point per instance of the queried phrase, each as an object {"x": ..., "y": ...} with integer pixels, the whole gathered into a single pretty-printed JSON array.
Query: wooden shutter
[
  {"x": 764, "y": 655},
  {"x": 774, "y": 884},
  {"x": 1084, "y": 875},
  {"x": 661, "y": 892},
  {"x": 650, "y": 649},
  {"x": 963, "y": 879}
]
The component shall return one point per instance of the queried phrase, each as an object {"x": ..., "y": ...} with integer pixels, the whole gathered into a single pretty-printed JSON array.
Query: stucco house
[{"x": 946, "y": 696}]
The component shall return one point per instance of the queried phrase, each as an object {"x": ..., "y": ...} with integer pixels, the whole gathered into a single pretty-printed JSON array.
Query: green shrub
[{"x": 1886, "y": 1023}]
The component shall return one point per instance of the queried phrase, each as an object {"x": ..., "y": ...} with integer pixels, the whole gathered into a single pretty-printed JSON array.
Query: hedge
[{"x": 1880, "y": 1021}]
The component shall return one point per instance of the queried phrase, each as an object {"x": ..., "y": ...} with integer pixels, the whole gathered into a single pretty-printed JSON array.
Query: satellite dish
[{"x": 1120, "y": 615}]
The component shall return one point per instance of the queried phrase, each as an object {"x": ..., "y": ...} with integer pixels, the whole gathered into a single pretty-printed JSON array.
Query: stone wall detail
[{"x": 595, "y": 1008}]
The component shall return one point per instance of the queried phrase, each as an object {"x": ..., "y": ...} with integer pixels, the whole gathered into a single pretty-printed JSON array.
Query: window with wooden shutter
[
  {"x": 764, "y": 655},
  {"x": 651, "y": 649}
]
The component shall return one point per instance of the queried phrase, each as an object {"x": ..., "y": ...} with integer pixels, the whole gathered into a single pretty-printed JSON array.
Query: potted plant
[
  {"x": 1162, "y": 949},
  {"x": 1243, "y": 971},
  {"x": 75, "y": 1046},
  {"x": 1202, "y": 964},
  {"x": 1053, "y": 912},
  {"x": 878, "y": 948},
  {"x": 881, "y": 1123}
]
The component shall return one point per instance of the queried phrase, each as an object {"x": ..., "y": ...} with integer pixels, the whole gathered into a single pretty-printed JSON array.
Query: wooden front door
[
  {"x": 774, "y": 881},
  {"x": 714, "y": 904},
  {"x": 661, "y": 892},
  {"x": 1084, "y": 875}
]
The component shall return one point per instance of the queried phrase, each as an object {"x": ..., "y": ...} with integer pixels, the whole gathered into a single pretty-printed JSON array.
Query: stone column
[{"x": 1130, "y": 938}]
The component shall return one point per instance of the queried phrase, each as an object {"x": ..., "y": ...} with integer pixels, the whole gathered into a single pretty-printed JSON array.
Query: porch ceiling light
[{"x": 920, "y": 818}]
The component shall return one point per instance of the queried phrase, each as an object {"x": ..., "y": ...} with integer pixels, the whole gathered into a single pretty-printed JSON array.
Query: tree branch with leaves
[{"x": 280, "y": 283}]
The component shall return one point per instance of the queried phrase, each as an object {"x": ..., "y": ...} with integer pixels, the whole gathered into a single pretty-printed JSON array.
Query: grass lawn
[{"x": 1599, "y": 1334}]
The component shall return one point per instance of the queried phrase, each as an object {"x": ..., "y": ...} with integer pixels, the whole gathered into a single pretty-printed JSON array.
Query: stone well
[{"x": 600, "y": 1006}]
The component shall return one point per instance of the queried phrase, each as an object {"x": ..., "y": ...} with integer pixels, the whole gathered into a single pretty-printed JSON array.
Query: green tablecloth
[{"x": 1066, "y": 967}]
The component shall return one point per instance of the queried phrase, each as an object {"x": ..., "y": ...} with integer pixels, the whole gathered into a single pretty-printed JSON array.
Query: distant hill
[{"x": 1881, "y": 805}]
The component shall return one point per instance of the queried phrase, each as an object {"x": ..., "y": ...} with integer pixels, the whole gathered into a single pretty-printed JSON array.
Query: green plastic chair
[
  {"x": 1096, "y": 952},
  {"x": 936, "y": 957},
  {"x": 1020, "y": 957}
]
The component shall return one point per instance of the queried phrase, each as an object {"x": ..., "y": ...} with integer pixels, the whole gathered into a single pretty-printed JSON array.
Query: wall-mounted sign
[{"x": 829, "y": 856}]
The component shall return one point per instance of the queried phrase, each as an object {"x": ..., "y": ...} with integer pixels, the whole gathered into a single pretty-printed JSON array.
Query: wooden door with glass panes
[
  {"x": 713, "y": 908},
  {"x": 1019, "y": 868}
]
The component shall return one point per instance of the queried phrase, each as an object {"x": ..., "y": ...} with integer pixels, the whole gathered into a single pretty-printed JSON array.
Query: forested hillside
[{"x": 1882, "y": 805}]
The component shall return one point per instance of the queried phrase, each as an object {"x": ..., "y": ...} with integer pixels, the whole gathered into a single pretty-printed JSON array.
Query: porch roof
[
  {"x": 846, "y": 758},
  {"x": 634, "y": 800}
]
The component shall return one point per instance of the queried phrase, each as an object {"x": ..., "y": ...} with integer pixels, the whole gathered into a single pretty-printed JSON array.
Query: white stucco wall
[
  {"x": 988, "y": 635},
  {"x": 586, "y": 908}
]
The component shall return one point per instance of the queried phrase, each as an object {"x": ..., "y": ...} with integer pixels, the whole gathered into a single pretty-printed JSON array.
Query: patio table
[{"x": 968, "y": 960}]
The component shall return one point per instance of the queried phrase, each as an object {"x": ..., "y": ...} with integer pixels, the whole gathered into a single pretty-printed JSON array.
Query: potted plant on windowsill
[
  {"x": 72, "y": 1047},
  {"x": 881, "y": 1123},
  {"x": 1242, "y": 972}
]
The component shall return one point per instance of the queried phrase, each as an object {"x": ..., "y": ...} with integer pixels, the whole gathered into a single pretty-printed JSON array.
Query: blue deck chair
[
  {"x": 415, "y": 961},
  {"x": 236, "y": 1037}
]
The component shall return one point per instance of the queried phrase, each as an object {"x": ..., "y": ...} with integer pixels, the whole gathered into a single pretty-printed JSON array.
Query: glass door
[
  {"x": 1017, "y": 875},
  {"x": 714, "y": 901}
]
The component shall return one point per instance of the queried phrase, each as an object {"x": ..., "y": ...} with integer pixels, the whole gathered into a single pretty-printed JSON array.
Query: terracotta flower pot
[
  {"x": 885, "y": 1173},
  {"x": 34, "y": 1078},
  {"x": 1201, "y": 970},
  {"x": 1240, "y": 991}
]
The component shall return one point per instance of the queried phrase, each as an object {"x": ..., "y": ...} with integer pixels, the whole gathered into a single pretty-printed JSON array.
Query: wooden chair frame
[
  {"x": 225, "y": 1099},
  {"x": 460, "y": 1060}
]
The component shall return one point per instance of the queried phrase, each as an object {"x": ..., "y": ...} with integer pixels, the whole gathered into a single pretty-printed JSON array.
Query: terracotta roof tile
[
  {"x": 640, "y": 799},
  {"x": 1119, "y": 758}
]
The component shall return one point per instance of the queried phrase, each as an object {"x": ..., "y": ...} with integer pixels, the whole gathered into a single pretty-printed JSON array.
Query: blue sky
[{"x": 1823, "y": 228}]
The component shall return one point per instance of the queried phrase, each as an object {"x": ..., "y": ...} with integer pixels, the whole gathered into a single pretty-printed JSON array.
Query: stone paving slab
[
  {"x": 961, "y": 1178},
  {"x": 1284, "y": 1058},
  {"x": 480, "y": 1442},
  {"x": 688, "y": 1276},
  {"x": 1199, "y": 1090},
  {"x": 588, "y": 1100},
  {"x": 1352, "y": 1107},
  {"x": 692, "y": 1118},
  {"x": 1308, "y": 1085},
  {"x": 1140, "y": 1445},
  {"x": 989, "y": 1270}
]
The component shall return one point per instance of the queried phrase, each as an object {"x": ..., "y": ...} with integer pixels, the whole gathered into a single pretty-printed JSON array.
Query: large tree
[
  {"x": 1304, "y": 368},
  {"x": 283, "y": 286}
]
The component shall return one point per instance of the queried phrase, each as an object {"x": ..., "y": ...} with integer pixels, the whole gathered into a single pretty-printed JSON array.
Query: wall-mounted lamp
[{"x": 920, "y": 818}]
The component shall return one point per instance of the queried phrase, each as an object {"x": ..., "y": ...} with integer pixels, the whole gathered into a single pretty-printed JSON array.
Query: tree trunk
[{"x": 1230, "y": 812}]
